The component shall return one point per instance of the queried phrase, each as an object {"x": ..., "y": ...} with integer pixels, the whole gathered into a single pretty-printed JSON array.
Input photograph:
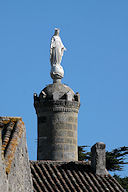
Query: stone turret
[{"x": 57, "y": 110}]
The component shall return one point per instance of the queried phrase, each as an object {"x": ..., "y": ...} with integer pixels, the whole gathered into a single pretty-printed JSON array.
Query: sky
[{"x": 95, "y": 34}]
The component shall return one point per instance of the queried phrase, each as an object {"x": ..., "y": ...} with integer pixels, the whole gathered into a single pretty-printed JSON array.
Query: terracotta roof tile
[
  {"x": 54, "y": 176},
  {"x": 11, "y": 130}
]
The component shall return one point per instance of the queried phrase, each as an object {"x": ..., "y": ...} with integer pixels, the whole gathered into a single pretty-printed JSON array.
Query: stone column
[{"x": 57, "y": 111}]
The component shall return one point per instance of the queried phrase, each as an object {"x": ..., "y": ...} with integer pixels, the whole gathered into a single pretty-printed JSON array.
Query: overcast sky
[{"x": 95, "y": 34}]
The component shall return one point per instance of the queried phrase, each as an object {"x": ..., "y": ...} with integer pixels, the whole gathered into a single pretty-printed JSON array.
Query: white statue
[{"x": 56, "y": 52}]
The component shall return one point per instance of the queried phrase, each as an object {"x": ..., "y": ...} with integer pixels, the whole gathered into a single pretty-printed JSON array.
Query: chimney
[{"x": 98, "y": 159}]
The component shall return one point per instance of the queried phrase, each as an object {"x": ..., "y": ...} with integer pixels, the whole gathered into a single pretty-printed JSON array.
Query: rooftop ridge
[
  {"x": 2, "y": 118},
  {"x": 61, "y": 162}
]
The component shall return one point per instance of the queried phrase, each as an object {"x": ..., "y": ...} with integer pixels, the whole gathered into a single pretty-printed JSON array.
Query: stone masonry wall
[
  {"x": 57, "y": 136},
  {"x": 57, "y": 109}
]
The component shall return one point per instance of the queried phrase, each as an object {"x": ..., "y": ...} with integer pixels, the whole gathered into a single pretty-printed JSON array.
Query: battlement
[{"x": 68, "y": 96}]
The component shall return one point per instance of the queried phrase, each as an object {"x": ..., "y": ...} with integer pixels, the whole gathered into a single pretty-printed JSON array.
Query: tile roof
[
  {"x": 54, "y": 176},
  {"x": 11, "y": 129}
]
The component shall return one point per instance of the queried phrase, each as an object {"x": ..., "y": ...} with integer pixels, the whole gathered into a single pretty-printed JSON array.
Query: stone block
[
  {"x": 70, "y": 156},
  {"x": 57, "y": 147},
  {"x": 69, "y": 148},
  {"x": 74, "y": 127},
  {"x": 75, "y": 141},
  {"x": 70, "y": 134},
  {"x": 68, "y": 140},
  {"x": 57, "y": 155},
  {"x": 69, "y": 96},
  {"x": 56, "y": 96},
  {"x": 60, "y": 133},
  {"x": 58, "y": 140}
]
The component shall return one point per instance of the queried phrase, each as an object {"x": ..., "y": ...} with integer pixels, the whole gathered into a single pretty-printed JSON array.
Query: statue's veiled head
[{"x": 57, "y": 31}]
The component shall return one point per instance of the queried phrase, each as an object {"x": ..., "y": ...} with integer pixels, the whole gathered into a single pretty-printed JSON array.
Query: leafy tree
[
  {"x": 115, "y": 161},
  {"x": 83, "y": 155}
]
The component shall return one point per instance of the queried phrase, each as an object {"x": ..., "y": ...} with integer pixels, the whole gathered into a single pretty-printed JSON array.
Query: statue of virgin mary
[{"x": 56, "y": 52}]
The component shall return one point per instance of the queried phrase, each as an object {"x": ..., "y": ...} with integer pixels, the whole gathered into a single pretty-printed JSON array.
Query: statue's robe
[{"x": 56, "y": 50}]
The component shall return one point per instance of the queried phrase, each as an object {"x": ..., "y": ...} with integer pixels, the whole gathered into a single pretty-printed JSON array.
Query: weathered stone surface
[
  {"x": 57, "y": 123},
  {"x": 98, "y": 161},
  {"x": 56, "y": 96},
  {"x": 3, "y": 176},
  {"x": 62, "y": 89},
  {"x": 55, "y": 135},
  {"x": 19, "y": 178},
  {"x": 15, "y": 174},
  {"x": 69, "y": 96}
]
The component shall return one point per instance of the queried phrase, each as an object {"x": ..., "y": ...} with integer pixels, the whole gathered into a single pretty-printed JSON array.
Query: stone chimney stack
[{"x": 98, "y": 160}]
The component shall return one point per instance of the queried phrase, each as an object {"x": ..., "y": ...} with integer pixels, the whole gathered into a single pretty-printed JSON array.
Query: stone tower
[{"x": 57, "y": 111}]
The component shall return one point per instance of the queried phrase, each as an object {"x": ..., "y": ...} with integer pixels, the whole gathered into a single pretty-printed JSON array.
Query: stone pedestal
[{"x": 57, "y": 110}]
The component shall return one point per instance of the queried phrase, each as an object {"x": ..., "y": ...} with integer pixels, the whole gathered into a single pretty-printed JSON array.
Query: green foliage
[
  {"x": 115, "y": 159},
  {"x": 83, "y": 155},
  {"x": 122, "y": 181}
]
